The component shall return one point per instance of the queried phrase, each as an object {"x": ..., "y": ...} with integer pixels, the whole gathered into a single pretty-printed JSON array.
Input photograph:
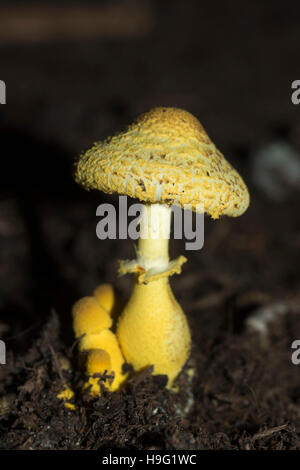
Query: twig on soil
[
  {"x": 56, "y": 362},
  {"x": 268, "y": 432}
]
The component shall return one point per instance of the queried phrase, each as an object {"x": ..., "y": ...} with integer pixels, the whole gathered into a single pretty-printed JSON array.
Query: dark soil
[
  {"x": 245, "y": 397},
  {"x": 234, "y": 74}
]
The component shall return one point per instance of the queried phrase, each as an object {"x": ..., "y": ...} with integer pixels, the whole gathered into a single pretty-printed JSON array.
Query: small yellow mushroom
[
  {"x": 98, "y": 364},
  {"x": 165, "y": 157},
  {"x": 89, "y": 317},
  {"x": 105, "y": 295},
  {"x": 91, "y": 323},
  {"x": 106, "y": 341}
]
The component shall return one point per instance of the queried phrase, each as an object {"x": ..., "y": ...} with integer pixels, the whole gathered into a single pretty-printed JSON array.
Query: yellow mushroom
[
  {"x": 107, "y": 341},
  {"x": 91, "y": 323},
  {"x": 98, "y": 364},
  {"x": 105, "y": 295},
  {"x": 89, "y": 317},
  {"x": 165, "y": 157}
]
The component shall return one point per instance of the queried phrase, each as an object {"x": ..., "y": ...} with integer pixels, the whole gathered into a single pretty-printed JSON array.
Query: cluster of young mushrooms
[{"x": 164, "y": 158}]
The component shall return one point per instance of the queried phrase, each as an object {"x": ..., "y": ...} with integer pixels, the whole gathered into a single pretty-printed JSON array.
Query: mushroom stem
[
  {"x": 153, "y": 246},
  {"x": 153, "y": 329}
]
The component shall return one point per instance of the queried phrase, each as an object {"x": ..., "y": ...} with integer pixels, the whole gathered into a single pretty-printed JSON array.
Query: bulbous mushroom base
[{"x": 153, "y": 330}]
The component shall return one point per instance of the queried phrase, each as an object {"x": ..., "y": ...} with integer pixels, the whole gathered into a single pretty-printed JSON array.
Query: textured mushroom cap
[{"x": 165, "y": 156}]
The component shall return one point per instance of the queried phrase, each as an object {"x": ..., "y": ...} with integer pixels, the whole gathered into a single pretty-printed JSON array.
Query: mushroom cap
[
  {"x": 106, "y": 341},
  {"x": 165, "y": 156},
  {"x": 89, "y": 317},
  {"x": 105, "y": 295},
  {"x": 98, "y": 361}
]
